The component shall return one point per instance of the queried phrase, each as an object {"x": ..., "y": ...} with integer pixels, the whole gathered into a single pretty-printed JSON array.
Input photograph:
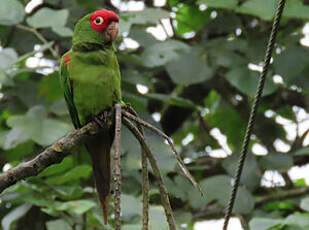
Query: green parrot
[{"x": 90, "y": 78}]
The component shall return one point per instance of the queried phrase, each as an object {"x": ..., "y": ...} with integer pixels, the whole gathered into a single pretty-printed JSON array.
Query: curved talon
[{"x": 98, "y": 121}]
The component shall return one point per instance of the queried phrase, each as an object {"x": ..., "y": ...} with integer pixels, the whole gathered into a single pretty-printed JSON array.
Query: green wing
[{"x": 68, "y": 93}]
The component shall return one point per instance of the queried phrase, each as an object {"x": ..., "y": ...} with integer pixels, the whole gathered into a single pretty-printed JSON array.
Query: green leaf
[
  {"x": 296, "y": 9},
  {"x": 223, "y": 4},
  {"x": 66, "y": 164},
  {"x": 233, "y": 126},
  {"x": 303, "y": 151},
  {"x": 81, "y": 206},
  {"x": 59, "y": 108},
  {"x": 212, "y": 101},
  {"x": 172, "y": 100},
  {"x": 68, "y": 192},
  {"x": 298, "y": 219},
  {"x": 132, "y": 226},
  {"x": 3, "y": 135},
  {"x": 162, "y": 153},
  {"x": 14, "y": 138},
  {"x": 63, "y": 31},
  {"x": 58, "y": 224},
  {"x": 8, "y": 57},
  {"x": 130, "y": 206},
  {"x": 11, "y": 12},
  {"x": 36, "y": 126},
  {"x": 130, "y": 146},
  {"x": 162, "y": 53},
  {"x": 277, "y": 205},
  {"x": 147, "y": 16},
  {"x": 5, "y": 79},
  {"x": 291, "y": 62},
  {"x": 75, "y": 174},
  {"x": 77, "y": 206},
  {"x": 36, "y": 199},
  {"x": 189, "y": 69},
  {"x": 20, "y": 151},
  {"x": 300, "y": 182},
  {"x": 211, "y": 185},
  {"x": 41, "y": 48},
  {"x": 251, "y": 175},
  {"x": 179, "y": 187},
  {"x": 304, "y": 204},
  {"x": 189, "y": 18},
  {"x": 50, "y": 87},
  {"x": 265, "y": 9},
  {"x": 244, "y": 202},
  {"x": 14, "y": 215},
  {"x": 47, "y": 17},
  {"x": 157, "y": 219},
  {"x": 259, "y": 223},
  {"x": 247, "y": 81},
  {"x": 278, "y": 161}
]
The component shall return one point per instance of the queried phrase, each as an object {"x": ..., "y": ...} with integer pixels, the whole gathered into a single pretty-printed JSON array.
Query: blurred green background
[{"x": 189, "y": 67}]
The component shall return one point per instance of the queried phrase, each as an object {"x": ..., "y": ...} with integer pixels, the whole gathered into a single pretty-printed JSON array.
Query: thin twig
[
  {"x": 40, "y": 37},
  {"x": 164, "y": 196},
  {"x": 145, "y": 178},
  {"x": 160, "y": 133},
  {"x": 117, "y": 167},
  {"x": 164, "y": 29},
  {"x": 145, "y": 181},
  {"x": 281, "y": 195}
]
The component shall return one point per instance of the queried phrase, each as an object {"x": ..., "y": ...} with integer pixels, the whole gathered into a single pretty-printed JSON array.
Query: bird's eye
[{"x": 98, "y": 21}]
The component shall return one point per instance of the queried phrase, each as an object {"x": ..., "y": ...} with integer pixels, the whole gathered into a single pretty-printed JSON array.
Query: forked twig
[
  {"x": 164, "y": 196},
  {"x": 117, "y": 167},
  {"x": 145, "y": 179},
  {"x": 160, "y": 133}
]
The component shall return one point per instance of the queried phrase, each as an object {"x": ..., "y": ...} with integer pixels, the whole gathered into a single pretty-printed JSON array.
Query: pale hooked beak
[{"x": 111, "y": 32}]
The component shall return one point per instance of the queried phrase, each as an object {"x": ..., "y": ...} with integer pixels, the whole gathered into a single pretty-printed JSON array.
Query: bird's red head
[{"x": 105, "y": 21}]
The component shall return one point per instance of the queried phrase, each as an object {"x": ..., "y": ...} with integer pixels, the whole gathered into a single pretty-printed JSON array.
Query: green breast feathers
[{"x": 94, "y": 81}]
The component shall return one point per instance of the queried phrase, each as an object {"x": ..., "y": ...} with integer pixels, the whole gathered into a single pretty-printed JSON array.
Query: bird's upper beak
[{"x": 111, "y": 32}]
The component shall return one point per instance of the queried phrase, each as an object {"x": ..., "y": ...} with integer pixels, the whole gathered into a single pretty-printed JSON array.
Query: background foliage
[{"x": 200, "y": 77}]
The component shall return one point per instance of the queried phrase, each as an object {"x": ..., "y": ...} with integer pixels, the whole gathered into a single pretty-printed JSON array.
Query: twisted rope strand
[{"x": 244, "y": 151}]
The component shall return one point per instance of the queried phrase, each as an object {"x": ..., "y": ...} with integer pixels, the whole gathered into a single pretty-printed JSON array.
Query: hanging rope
[{"x": 269, "y": 51}]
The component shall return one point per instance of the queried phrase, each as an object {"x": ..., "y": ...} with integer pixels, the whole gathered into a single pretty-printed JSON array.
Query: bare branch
[
  {"x": 160, "y": 133},
  {"x": 52, "y": 155},
  {"x": 145, "y": 178},
  {"x": 40, "y": 37},
  {"x": 117, "y": 168},
  {"x": 164, "y": 196}
]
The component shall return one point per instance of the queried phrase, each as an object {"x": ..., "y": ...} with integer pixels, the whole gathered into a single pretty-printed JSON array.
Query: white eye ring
[{"x": 98, "y": 21}]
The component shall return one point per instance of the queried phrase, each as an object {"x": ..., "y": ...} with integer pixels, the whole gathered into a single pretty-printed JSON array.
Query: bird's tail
[{"x": 99, "y": 148}]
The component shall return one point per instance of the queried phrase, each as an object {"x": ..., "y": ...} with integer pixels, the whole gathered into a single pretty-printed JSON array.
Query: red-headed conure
[{"x": 90, "y": 78}]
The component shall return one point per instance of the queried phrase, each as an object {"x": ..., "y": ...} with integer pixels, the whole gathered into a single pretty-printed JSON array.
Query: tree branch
[
  {"x": 51, "y": 155},
  {"x": 40, "y": 37},
  {"x": 216, "y": 211},
  {"x": 281, "y": 195}
]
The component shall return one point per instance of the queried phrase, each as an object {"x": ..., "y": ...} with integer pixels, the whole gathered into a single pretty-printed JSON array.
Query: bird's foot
[
  {"x": 101, "y": 119},
  {"x": 129, "y": 108},
  {"x": 98, "y": 121}
]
